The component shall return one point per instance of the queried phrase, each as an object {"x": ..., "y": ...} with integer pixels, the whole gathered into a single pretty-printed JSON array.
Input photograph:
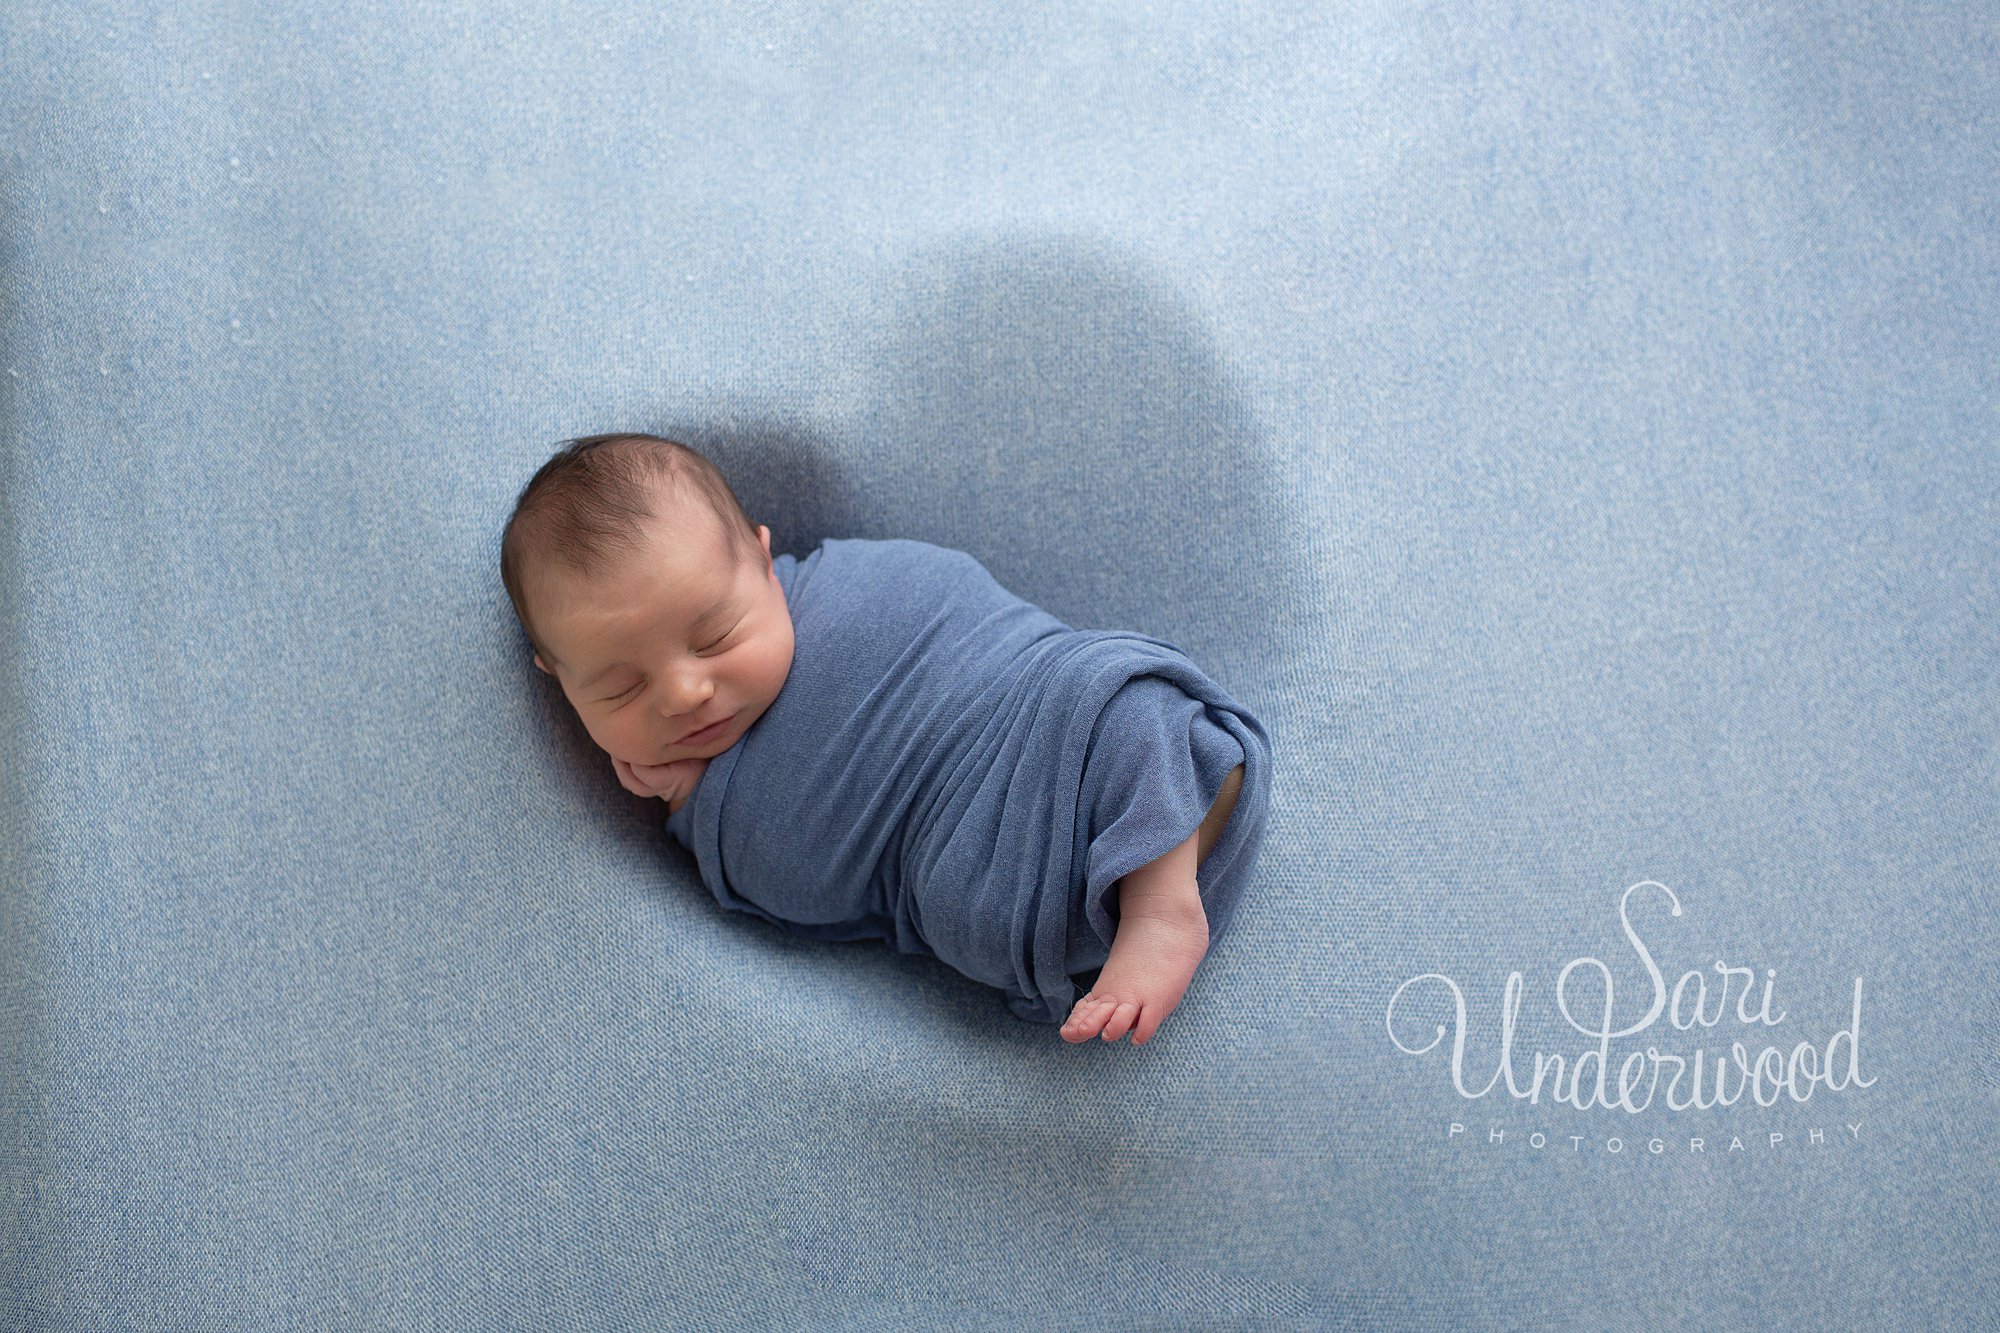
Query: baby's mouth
[{"x": 706, "y": 733}]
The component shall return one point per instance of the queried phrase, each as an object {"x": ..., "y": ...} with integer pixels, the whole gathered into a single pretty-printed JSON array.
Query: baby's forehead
[
  {"x": 688, "y": 522},
  {"x": 668, "y": 556}
]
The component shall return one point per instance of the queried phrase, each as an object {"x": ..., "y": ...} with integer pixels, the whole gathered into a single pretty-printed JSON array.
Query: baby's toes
[
  {"x": 1086, "y": 1016},
  {"x": 1124, "y": 1017}
]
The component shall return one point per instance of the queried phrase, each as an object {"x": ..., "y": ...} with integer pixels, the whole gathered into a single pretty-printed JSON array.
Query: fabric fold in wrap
[{"x": 955, "y": 771}]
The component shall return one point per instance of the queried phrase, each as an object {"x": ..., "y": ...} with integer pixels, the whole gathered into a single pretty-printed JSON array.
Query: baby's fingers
[
  {"x": 674, "y": 779},
  {"x": 630, "y": 780}
]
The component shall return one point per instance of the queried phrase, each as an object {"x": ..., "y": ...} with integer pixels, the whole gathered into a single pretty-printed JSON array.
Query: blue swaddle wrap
[{"x": 954, "y": 770}]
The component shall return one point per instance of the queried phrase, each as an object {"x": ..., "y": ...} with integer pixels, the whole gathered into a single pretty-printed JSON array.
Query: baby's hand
[{"x": 673, "y": 782}]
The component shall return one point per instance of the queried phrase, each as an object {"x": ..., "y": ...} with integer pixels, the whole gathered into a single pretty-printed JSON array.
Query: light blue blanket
[
  {"x": 1573, "y": 429},
  {"x": 958, "y": 772}
]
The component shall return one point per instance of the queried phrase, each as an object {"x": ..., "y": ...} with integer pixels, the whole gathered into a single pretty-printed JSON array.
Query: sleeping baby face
[{"x": 675, "y": 653}]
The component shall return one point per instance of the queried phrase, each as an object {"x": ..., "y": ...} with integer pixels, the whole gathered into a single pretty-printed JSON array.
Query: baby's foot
[{"x": 1153, "y": 958}]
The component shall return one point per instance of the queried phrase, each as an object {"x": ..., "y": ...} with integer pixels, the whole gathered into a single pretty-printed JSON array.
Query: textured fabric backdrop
[{"x": 1570, "y": 427}]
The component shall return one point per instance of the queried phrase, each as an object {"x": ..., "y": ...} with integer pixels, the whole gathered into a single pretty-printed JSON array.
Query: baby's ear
[{"x": 540, "y": 663}]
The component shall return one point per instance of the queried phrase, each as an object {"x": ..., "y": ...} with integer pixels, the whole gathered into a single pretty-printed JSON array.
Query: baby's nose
[{"x": 680, "y": 703}]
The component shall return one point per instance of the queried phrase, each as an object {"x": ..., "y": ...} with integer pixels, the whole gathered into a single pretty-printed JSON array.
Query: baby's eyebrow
[{"x": 700, "y": 620}]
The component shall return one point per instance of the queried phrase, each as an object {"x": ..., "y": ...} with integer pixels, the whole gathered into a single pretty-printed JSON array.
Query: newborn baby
[{"x": 878, "y": 741}]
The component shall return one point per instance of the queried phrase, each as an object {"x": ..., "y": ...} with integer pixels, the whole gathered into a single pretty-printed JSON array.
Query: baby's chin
[
  {"x": 673, "y": 754},
  {"x": 643, "y": 760}
]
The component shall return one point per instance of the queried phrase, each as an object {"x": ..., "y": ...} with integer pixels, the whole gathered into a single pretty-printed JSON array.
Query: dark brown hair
[{"x": 589, "y": 505}]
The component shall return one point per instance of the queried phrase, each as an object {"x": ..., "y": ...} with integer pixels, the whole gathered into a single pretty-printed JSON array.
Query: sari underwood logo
[{"x": 1683, "y": 1064}]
